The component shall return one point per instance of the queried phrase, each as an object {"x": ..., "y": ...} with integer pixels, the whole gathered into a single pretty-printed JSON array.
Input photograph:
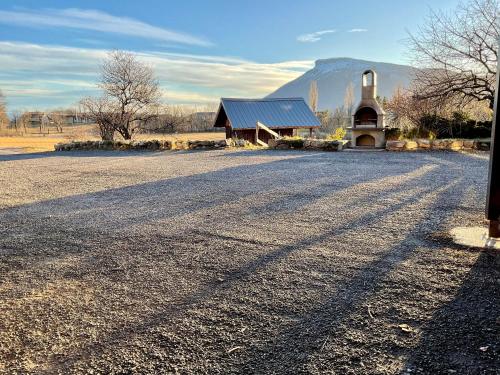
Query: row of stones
[
  {"x": 306, "y": 144},
  {"x": 153, "y": 145},
  {"x": 438, "y": 144}
]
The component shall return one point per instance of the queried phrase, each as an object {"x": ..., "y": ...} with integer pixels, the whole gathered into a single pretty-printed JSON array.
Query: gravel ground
[{"x": 261, "y": 262}]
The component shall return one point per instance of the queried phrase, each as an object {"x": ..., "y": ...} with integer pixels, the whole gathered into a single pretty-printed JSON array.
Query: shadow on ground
[{"x": 279, "y": 260}]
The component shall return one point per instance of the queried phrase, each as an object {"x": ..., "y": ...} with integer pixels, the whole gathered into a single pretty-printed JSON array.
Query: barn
[{"x": 283, "y": 115}]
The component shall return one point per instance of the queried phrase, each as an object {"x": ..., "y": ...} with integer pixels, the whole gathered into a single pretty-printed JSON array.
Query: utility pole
[{"x": 493, "y": 199}]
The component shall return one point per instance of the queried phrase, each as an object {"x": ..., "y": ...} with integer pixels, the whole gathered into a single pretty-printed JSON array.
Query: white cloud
[
  {"x": 357, "y": 31},
  {"x": 314, "y": 37},
  {"x": 97, "y": 21},
  {"x": 185, "y": 78},
  {"x": 175, "y": 96}
]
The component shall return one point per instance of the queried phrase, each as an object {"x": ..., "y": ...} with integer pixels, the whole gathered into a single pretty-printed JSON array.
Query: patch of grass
[
  {"x": 30, "y": 143},
  {"x": 34, "y": 141}
]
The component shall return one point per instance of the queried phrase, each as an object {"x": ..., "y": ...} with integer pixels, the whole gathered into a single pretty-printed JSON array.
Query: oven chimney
[{"x": 369, "y": 85}]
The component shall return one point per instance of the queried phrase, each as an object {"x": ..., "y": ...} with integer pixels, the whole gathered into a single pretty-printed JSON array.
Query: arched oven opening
[
  {"x": 366, "y": 116},
  {"x": 365, "y": 140}
]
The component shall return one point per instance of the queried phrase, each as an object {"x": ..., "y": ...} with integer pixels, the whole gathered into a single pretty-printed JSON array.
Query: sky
[{"x": 50, "y": 51}]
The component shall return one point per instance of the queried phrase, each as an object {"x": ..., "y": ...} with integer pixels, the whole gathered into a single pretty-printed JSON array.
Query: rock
[
  {"x": 165, "y": 145},
  {"x": 272, "y": 143},
  {"x": 482, "y": 145},
  {"x": 468, "y": 144},
  {"x": 282, "y": 146},
  {"x": 424, "y": 143},
  {"x": 455, "y": 145},
  {"x": 395, "y": 145},
  {"x": 239, "y": 142},
  {"x": 180, "y": 145},
  {"x": 331, "y": 146},
  {"x": 440, "y": 144},
  {"x": 411, "y": 145}
]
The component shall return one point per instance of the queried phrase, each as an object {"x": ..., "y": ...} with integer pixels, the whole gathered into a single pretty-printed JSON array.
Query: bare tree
[
  {"x": 4, "y": 119},
  {"x": 57, "y": 119},
  {"x": 349, "y": 102},
  {"x": 133, "y": 88},
  {"x": 458, "y": 53},
  {"x": 313, "y": 96},
  {"x": 131, "y": 96},
  {"x": 20, "y": 121},
  {"x": 15, "y": 119},
  {"x": 339, "y": 117},
  {"x": 103, "y": 112}
]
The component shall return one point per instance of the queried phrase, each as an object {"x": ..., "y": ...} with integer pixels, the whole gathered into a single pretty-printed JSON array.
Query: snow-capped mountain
[{"x": 334, "y": 75}]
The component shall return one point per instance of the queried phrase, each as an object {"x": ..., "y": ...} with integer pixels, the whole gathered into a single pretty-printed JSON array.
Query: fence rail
[{"x": 261, "y": 126}]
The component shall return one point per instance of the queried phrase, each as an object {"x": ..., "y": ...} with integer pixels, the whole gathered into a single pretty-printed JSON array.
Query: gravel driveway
[{"x": 245, "y": 262}]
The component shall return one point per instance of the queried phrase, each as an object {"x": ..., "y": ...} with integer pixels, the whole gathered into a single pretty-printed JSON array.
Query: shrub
[
  {"x": 338, "y": 135},
  {"x": 393, "y": 134},
  {"x": 459, "y": 126},
  {"x": 294, "y": 142}
]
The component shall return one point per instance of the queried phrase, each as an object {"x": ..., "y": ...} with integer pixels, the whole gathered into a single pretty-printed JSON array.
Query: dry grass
[
  {"x": 33, "y": 141},
  {"x": 30, "y": 143}
]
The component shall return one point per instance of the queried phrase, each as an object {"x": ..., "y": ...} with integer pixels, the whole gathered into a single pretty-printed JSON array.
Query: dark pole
[{"x": 493, "y": 200}]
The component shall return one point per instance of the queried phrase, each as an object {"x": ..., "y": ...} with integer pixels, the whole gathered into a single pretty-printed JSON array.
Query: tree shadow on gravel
[
  {"x": 463, "y": 336},
  {"x": 75, "y": 154},
  {"x": 319, "y": 322},
  {"x": 239, "y": 275},
  {"x": 291, "y": 350},
  {"x": 119, "y": 208}
]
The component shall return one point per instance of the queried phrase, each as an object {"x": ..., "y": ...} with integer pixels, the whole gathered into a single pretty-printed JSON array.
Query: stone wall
[
  {"x": 153, "y": 145},
  {"x": 438, "y": 144},
  {"x": 306, "y": 144}
]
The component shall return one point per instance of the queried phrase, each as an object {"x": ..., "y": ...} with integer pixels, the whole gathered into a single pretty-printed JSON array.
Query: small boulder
[
  {"x": 482, "y": 145},
  {"x": 411, "y": 145},
  {"x": 272, "y": 143},
  {"x": 440, "y": 144},
  {"x": 395, "y": 145},
  {"x": 455, "y": 145},
  {"x": 424, "y": 143},
  {"x": 468, "y": 144}
]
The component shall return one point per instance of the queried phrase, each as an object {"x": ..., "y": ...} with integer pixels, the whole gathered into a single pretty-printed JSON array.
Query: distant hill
[{"x": 334, "y": 75}]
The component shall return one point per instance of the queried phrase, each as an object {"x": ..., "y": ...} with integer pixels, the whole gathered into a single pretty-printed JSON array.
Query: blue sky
[{"x": 201, "y": 50}]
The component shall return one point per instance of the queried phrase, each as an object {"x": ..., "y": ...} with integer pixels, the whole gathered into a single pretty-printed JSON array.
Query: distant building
[
  {"x": 37, "y": 118},
  {"x": 283, "y": 115}
]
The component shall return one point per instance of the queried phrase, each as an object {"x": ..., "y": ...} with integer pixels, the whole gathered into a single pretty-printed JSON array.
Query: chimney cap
[{"x": 365, "y": 78}]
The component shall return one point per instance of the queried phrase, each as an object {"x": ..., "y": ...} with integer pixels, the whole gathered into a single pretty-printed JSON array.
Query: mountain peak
[{"x": 333, "y": 76}]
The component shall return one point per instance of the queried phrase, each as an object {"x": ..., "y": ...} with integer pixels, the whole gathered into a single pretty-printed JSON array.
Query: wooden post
[
  {"x": 493, "y": 199},
  {"x": 257, "y": 133}
]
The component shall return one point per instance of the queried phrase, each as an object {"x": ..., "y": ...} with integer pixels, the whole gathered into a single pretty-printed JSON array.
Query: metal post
[{"x": 493, "y": 199}]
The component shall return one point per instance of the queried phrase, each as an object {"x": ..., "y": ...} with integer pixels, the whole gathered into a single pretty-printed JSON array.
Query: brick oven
[{"x": 368, "y": 121}]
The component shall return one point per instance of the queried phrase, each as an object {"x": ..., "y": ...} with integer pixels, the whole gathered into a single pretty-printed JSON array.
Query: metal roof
[{"x": 273, "y": 112}]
